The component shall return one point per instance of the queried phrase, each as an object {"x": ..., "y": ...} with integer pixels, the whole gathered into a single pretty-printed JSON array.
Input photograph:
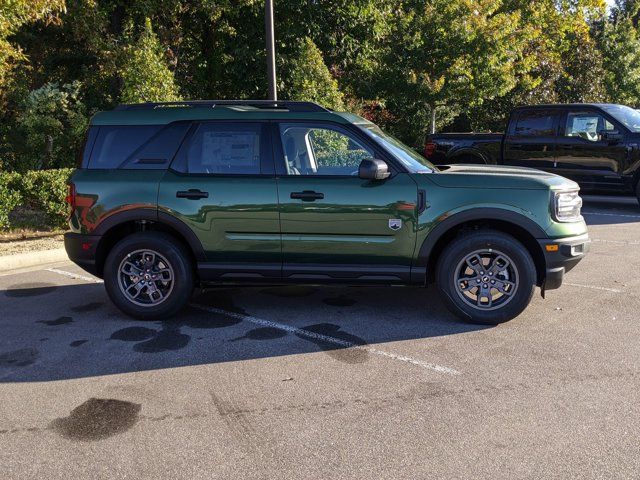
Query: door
[
  {"x": 585, "y": 155},
  {"x": 531, "y": 139},
  {"x": 222, "y": 186},
  {"x": 336, "y": 226}
]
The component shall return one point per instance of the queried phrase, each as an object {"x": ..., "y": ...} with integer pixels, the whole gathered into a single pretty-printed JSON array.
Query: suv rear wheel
[
  {"x": 486, "y": 277},
  {"x": 148, "y": 275}
]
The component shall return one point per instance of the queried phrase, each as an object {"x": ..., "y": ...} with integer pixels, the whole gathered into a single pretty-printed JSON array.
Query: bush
[
  {"x": 51, "y": 125},
  {"x": 45, "y": 190},
  {"x": 10, "y": 196},
  {"x": 40, "y": 190}
]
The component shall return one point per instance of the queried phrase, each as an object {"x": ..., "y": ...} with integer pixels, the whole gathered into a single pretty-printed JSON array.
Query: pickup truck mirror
[
  {"x": 373, "y": 169},
  {"x": 612, "y": 136}
]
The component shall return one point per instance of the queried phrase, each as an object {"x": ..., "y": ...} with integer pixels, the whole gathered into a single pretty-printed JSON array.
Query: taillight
[
  {"x": 71, "y": 196},
  {"x": 429, "y": 149}
]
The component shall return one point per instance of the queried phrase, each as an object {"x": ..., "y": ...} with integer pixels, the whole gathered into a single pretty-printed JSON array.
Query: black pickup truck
[{"x": 597, "y": 145}]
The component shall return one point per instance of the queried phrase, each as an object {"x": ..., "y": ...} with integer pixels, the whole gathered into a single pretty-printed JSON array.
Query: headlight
[{"x": 567, "y": 206}]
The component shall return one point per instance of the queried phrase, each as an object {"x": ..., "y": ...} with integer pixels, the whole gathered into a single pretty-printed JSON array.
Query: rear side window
[
  {"x": 114, "y": 144},
  {"x": 224, "y": 148},
  {"x": 536, "y": 123}
]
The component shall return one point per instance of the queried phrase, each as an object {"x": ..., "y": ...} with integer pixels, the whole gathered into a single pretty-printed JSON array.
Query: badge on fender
[{"x": 395, "y": 224}]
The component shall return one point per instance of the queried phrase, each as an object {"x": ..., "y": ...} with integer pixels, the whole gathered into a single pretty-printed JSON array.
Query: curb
[{"x": 31, "y": 259}]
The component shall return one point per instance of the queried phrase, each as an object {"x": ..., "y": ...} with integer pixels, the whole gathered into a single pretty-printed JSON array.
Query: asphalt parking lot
[{"x": 305, "y": 382}]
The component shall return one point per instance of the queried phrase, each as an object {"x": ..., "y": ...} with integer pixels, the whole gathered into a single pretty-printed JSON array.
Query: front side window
[
  {"x": 536, "y": 123},
  {"x": 586, "y": 125},
  {"x": 628, "y": 116},
  {"x": 320, "y": 150},
  {"x": 232, "y": 149}
]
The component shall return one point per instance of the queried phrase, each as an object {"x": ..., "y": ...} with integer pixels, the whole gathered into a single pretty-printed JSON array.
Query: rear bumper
[
  {"x": 81, "y": 250},
  {"x": 569, "y": 252}
]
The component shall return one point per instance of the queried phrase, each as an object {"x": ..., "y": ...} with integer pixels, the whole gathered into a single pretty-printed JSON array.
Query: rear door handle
[
  {"x": 307, "y": 196},
  {"x": 193, "y": 194}
]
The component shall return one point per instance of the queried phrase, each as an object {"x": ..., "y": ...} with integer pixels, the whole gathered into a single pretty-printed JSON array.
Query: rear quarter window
[
  {"x": 133, "y": 147},
  {"x": 114, "y": 144}
]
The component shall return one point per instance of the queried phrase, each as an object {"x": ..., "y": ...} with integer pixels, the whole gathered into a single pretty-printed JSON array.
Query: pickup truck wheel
[
  {"x": 148, "y": 275},
  {"x": 486, "y": 277}
]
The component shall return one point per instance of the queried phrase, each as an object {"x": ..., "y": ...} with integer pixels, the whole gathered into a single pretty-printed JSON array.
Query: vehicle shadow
[
  {"x": 53, "y": 332},
  {"x": 607, "y": 210}
]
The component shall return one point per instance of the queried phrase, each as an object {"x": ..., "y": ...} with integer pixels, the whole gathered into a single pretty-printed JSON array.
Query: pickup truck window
[
  {"x": 629, "y": 117},
  {"x": 586, "y": 125},
  {"x": 536, "y": 123}
]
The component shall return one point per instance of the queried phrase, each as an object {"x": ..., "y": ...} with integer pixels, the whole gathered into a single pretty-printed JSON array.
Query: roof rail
[{"x": 292, "y": 106}]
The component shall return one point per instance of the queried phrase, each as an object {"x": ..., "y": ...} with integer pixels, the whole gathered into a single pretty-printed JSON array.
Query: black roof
[{"x": 292, "y": 106}]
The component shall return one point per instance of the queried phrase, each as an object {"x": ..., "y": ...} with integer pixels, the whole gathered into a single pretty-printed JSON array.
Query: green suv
[{"x": 173, "y": 195}]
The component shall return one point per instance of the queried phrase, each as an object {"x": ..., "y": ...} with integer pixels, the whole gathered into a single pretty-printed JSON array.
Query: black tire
[
  {"x": 457, "y": 279},
  {"x": 171, "y": 256},
  {"x": 638, "y": 192}
]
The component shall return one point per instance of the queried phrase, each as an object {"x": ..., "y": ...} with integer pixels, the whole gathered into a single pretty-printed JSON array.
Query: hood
[{"x": 491, "y": 176}]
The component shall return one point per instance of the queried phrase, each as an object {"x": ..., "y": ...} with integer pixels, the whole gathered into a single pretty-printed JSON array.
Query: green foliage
[
  {"x": 620, "y": 44},
  {"x": 45, "y": 190},
  {"x": 310, "y": 79},
  {"x": 14, "y": 14},
  {"x": 400, "y": 63},
  {"x": 42, "y": 190},
  {"x": 51, "y": 123},
  {"x": 333, "y": 149},
  {"x": 145, "y": 74},
  {"x": 10, "y": 196},
  {"x": 445, "y": 55}
]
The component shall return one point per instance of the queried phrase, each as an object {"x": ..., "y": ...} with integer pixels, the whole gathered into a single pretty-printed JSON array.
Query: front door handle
[
  {"x": 307, "y": 196},
  {"x": 192, "y": 194}
]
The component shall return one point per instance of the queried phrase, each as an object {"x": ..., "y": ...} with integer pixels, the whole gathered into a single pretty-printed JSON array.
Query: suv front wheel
[
  {"x": 486, "y": 277},
  {"x": 148, "y": 275}
]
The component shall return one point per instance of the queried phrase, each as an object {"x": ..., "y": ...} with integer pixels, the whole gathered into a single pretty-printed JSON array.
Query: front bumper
[
  {"x": 81, "y": 250},
  {"x": 560, "y": 260}
]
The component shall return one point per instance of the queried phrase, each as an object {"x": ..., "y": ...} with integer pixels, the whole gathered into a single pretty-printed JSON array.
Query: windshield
[
  {"x": 629, "y": 117},
  {"x": 411, "y": 159}
]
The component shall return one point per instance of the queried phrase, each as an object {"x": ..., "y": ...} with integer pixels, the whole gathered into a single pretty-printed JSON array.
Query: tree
[
  {"x": 51, "y": 124},
  {"x": 620, "y": 44},
  {"x": 14, "y": 14},
  {"x": 445, "y": 55},
  {"x": 564, "y": 62},
  {"x": 309, "y": 79},
  {"x": 145, "y": 74}
]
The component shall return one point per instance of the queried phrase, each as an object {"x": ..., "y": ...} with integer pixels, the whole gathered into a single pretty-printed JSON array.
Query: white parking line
[
  {"x": 294, "y": 330},
  {"x": 615, "y": 242},
  {"x": 612, "y": 215},
  {"x": 325, "y": 338},
  {"x": 74, "y": 275},
  {"x": 593, "y": 287}
]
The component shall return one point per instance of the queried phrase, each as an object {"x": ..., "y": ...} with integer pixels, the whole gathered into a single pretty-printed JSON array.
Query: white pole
[{"x": 271, "y": 49}]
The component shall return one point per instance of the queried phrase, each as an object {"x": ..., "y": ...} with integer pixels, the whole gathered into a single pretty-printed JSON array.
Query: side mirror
[
  {"x": 373, "y": 169},
  {"x": 613, "y": 136}
]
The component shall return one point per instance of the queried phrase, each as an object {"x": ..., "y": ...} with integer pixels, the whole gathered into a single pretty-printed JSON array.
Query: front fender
[{"x": 435, "y": 228}]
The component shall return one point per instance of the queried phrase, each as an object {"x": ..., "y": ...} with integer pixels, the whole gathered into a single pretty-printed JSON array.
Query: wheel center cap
[{"x": 485, "y": 279}]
